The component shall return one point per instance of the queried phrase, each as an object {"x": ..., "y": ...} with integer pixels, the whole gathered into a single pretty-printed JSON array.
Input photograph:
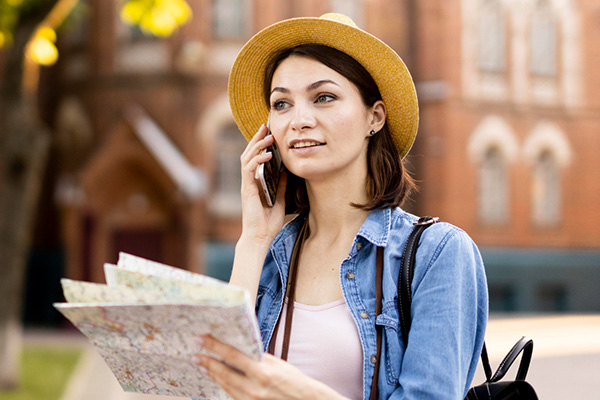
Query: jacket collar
[{"x": 376, "y": 228}]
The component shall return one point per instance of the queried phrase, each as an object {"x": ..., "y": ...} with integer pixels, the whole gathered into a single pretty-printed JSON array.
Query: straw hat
[{"x": 340, "y": 32}]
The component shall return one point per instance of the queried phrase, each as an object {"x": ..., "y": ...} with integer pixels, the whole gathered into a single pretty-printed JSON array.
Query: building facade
[
  {"x": 508, "y": 141},
  {"x": 146, "y": 156}
]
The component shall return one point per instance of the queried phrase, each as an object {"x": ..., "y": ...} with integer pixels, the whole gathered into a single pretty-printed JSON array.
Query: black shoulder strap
[
  {"x": 524, "y": 345},
  {"x": 405, "y": 299},
  {"x": 406, "y": 273}
]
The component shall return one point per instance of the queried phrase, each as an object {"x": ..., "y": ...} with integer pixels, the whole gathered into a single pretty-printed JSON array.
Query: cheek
[
  {"x": 279, "y": 141},
  {"x": 351, "y": 124},
  {"x": 282, "y": 147}
]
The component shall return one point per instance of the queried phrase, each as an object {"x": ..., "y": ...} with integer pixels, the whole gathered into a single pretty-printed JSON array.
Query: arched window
[
  {"x": 546, "y": 196},
  {"x": 492, "y": 147},
  {"x": 229, "y": 146},
  {"x": 493, "y": 187},
  {"x": 543, "y": 41},
  {"x": 548, "y": 152},
  {"x": 491, "y": 36}
]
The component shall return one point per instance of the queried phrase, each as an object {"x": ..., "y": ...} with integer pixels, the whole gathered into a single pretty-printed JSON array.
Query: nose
[{"x": 302, "y": 118}]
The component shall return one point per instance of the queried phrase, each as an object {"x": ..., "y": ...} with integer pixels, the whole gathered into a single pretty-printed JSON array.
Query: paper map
[{"x": 145, "y": 320}]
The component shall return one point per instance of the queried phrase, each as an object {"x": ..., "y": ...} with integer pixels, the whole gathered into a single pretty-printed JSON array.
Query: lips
[{"x": 305, "y": 143}]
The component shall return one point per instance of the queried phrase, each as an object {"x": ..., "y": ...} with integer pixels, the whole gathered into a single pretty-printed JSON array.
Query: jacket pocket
[{"x": 392, "y": 348}]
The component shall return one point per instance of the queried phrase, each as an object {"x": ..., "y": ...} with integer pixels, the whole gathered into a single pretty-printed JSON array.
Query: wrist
[
  {"x": 248, "y": 262},
  {"x": 257, "y": 242}
]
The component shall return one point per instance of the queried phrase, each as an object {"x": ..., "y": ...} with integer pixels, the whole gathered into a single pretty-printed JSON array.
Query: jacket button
[
  {"x": 359, "y": 246},
  {"x": 373, "y": 359},
  {"x": 364, "y": 314},
  {"x": 350, "y": 275}
]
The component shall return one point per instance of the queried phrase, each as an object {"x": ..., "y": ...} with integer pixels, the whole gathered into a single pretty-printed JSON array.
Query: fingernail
[
  {"x": 198, "y": 361},
  {"x": 199, "y": 341}
]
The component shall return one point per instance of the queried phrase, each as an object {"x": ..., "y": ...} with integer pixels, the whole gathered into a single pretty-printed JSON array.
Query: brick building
[
  {"x": 147, "y": 154},
  {"x": 508, "y": 141}
]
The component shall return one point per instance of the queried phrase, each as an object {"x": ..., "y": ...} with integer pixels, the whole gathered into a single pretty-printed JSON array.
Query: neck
[{"x": 331, "y": 213}]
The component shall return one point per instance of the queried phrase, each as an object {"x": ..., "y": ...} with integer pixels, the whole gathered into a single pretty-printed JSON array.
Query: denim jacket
[{"x": 449, "y": 304}]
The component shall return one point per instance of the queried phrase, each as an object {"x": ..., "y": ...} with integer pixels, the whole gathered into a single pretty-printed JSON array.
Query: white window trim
[
  {"x": 517, "y": 84},
  {"x": 547, "y": 136},
  {"x": 493, "y": 131}
]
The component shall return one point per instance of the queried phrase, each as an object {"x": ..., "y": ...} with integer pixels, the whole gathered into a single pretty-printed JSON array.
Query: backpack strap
[{"x": 406, "y": 273}]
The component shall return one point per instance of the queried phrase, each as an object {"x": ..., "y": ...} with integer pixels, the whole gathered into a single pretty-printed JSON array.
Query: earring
[{"x": 372, "y": 132}]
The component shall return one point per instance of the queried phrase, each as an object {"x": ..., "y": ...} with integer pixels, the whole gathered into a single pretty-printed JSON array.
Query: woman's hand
[
  {"x": 259, "y": 221},
  {"x": 271, "y": 378}
]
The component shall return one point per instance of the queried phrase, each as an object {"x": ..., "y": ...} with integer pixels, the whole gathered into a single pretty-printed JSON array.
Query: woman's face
[{"x": 319, "y": 121}]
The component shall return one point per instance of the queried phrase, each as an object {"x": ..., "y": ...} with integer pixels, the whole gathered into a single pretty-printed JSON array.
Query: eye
[
  {"x": 325, "y": 98},
  {"x": 279, "y": 105}
]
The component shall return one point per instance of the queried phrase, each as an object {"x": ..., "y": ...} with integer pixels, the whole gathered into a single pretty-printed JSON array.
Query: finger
[
  {"x": 233, "y": 357},
  {"x": 229, "y": 379},
  {"x": 255, "y": 149},
  {"x": 252, "y": 159},
  {"x": 260, "y": 135},
  {"x": 260, "y": 159}
]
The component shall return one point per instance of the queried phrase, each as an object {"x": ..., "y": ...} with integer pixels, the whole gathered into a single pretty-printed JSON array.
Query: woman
[{"x": 343, "y": 112}]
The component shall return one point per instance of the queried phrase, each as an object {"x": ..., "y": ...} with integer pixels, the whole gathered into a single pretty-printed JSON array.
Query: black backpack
[{"x": 493, "y": 387}]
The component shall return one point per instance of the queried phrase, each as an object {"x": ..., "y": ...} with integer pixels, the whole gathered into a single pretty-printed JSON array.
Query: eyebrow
[{"x": 310, "y": 87}]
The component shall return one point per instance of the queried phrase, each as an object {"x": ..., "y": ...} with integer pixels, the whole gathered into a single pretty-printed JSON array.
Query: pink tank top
[{"x": 324, "y": 344}]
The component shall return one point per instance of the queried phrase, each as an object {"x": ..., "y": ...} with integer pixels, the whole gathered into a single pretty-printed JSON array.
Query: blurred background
[{"x": 116, "y": 135}]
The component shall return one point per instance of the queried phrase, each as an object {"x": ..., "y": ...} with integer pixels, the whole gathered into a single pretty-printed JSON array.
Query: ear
[{"x": 378, "y": 114}]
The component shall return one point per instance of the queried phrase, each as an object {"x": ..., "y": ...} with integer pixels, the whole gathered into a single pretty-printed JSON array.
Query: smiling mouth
[{"x": 301, "y": 145}]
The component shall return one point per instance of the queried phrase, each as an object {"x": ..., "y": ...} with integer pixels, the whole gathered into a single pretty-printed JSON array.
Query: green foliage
[
  {"x": 9, "y": 16},
  {"x": 153, "y": 17},
  {"x": 45, "y": 372},
  {"x": 13, "y": 11}
]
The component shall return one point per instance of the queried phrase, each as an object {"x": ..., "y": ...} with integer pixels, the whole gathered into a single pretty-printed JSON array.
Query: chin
[{"x": 311, "y": 173}]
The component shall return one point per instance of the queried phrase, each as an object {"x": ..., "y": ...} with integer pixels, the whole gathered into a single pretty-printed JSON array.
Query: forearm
[
  {"x": 248, "y": 263},
  {"x": 260, "y": 224}
]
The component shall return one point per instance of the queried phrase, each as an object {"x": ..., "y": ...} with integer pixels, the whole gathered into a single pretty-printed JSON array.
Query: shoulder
[
  {"x": 441, "y": 239},
  {"x": 404, "y": 221},
  {"x": 402, "y": 224}
]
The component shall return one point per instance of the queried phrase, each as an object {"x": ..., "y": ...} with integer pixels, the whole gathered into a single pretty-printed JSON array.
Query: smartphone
[{"x": 268, "y": 172}]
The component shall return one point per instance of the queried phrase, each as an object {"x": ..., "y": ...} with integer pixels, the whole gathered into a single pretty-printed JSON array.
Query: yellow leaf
[
  {"x": 179, "y": 9},
  {"x": 132, "y": 12},
  {"x": 47, "y": 33},
  {"x": 157, "y": 17}
]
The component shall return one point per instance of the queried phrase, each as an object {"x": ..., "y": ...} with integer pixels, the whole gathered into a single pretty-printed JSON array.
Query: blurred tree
[{"x": 27, "y": 36}]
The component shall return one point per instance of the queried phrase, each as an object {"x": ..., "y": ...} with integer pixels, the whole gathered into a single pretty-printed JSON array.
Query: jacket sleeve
[{"x": 449, "y": 315}]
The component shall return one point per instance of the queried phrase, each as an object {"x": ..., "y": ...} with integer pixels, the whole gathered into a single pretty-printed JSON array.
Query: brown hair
[{"x": 388, "y": 181}]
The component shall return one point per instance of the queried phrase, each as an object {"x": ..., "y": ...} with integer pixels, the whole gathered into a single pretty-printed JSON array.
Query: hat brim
[{"x": 393, "y": 79}]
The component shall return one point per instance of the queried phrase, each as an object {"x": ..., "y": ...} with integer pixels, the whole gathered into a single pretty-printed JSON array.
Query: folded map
[{"x": 143, "y": 322}]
